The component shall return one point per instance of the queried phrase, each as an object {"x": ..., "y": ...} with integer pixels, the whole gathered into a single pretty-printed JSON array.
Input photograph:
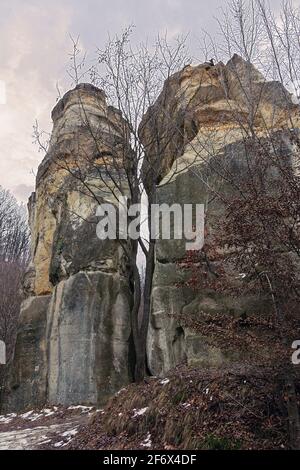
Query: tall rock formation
[
  {"x": 74, "y": 336},
  {"x": 200, "y": 120},
  {"x": 74, "y": 340}
]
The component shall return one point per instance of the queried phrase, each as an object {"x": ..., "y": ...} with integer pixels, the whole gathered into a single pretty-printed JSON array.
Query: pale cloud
[
  {"x": 36, "y": 44},
  {"x": 21, "y": 191},
  {"x": 34, "y": 38}
]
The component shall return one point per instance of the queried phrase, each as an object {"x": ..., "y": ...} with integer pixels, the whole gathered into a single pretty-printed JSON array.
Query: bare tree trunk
[
  {"x": 137, "y": 295},
  {"x": 141, "y": 359},
  {"x": 141, "y": 331}
]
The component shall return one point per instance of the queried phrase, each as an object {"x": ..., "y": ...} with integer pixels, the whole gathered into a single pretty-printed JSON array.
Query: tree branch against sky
[{"x": 31, "y": 80}]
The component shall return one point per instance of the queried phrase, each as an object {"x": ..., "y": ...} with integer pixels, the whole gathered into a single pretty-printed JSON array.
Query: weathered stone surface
[
  {"x": 202, "y": 113},
  {"x": 75, "y": 329},
  {"x": 79, "y": 351},
  {"x": 203, "y": 108},
  {"x": 88, "y": 338},
  {"x": 27, "y": 380},
  {"x": 80, "y": 118}
]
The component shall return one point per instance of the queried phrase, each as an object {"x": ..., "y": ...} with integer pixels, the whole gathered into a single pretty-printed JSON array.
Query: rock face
[
  {"x": 204, "y": 114},
  {"x": 74, "y": 341},
  {"x": 74, "y": 337},
  {"x": 29, "y": 371}
]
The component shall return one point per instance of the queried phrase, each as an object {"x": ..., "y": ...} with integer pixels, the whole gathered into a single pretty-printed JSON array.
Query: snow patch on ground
[
  {"x": 84, "y": 409},
  {"x": 164, "y": 381},
  {"x": 31, "y": 438},
  {"x": 56, "y": 428},
  {"x": 139, "y": 412},
  {"x": 147, "y": 442},
  {"x": 58, "y": 444},
  {"x": 5, "y": 419},
  {"x": 33, "y": 416},
  {"x": 186, "y": 405}
]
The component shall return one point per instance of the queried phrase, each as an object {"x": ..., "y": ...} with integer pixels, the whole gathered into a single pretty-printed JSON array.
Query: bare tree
[
  {"x": 14, "y": 253},
  {"x": 14, "y": 238},
  {"x": 127, "y": 162},
  {"x": 132, "y": 79},
  {"x": 260, "y": 229}
]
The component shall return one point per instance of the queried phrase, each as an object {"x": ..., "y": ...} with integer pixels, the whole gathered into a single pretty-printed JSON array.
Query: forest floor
[{"x": 232, "y": 408}]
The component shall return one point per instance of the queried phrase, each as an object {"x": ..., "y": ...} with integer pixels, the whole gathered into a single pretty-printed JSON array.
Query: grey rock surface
[{"x": 74, "y": 336}]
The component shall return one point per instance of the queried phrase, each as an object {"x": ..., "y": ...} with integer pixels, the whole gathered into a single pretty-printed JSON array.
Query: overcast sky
[{"x": 34, "y": 47}]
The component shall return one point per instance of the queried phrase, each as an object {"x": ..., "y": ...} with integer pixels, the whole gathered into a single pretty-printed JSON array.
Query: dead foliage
[{"x": 233, "y": 408}]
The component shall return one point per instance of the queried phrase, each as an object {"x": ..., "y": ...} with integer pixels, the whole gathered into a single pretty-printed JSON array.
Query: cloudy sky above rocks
[{"x": 35, "y": 42}]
